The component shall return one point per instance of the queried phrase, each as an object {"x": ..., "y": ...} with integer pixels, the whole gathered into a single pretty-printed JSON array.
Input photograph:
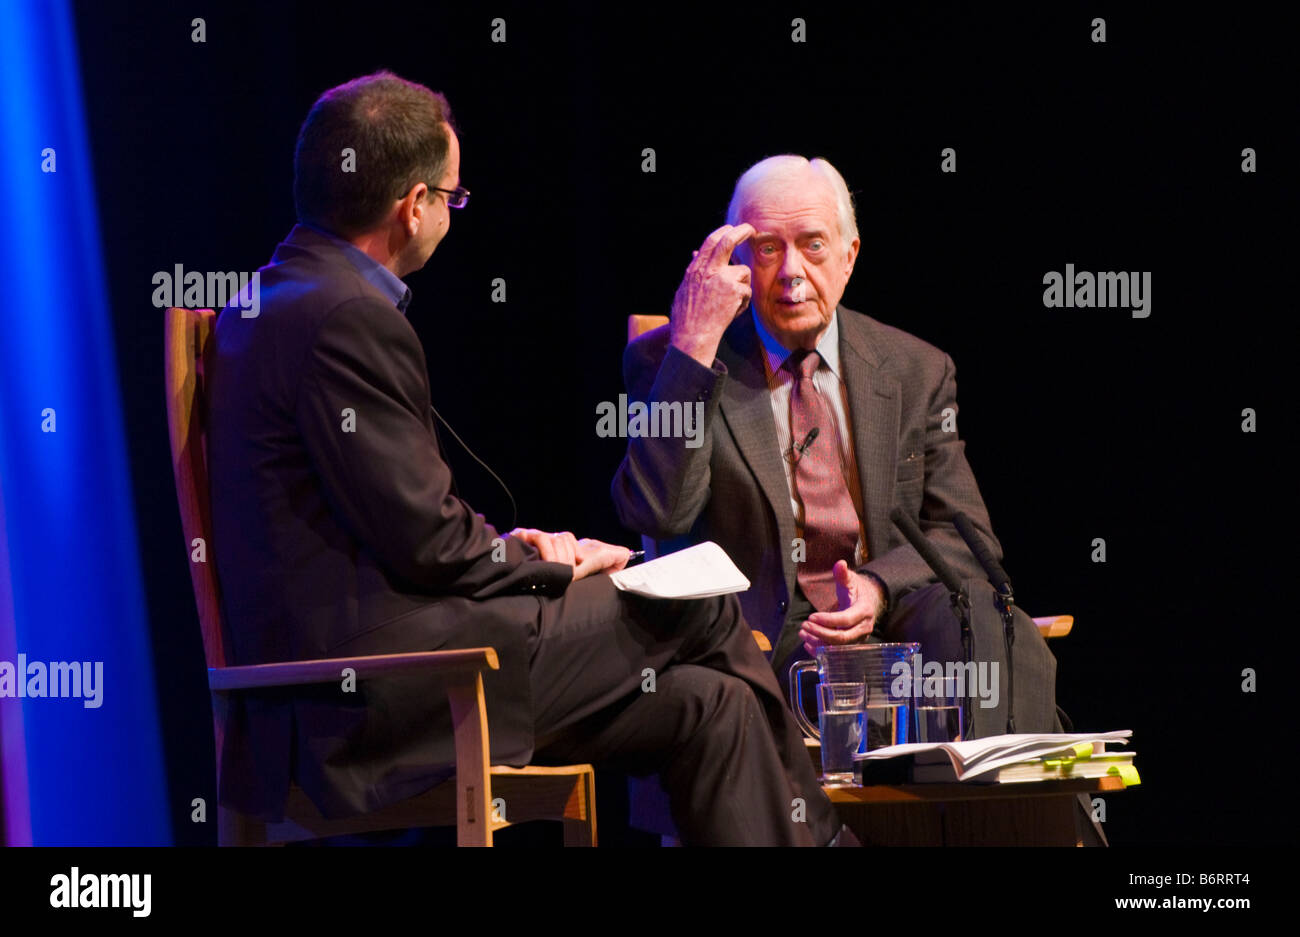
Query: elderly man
[
  {"x": 818, "y": 422},
  {"x": 337, "y": 531}
]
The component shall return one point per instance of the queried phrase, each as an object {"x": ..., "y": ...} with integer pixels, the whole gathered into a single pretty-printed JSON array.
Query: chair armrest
[
  {"x": 1054, "y": 626},
  {"x": 293, "y": 673}
]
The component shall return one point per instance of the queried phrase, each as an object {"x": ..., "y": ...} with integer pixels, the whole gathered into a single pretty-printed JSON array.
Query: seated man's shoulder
[
  {"x": 297, "y": 299},
  {"x": 894, "y": 348}
]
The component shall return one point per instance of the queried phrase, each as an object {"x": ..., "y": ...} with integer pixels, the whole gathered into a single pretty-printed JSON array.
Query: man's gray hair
[{"x": 776, "y": 167}]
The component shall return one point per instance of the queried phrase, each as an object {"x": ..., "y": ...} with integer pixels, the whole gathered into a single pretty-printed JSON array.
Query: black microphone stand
[
  {"x": 956, "y": 592},
  {"x": 1005, "y": 601},
  {"x": 961, "y": 608},
  {"x": 1006, "y": 604}
]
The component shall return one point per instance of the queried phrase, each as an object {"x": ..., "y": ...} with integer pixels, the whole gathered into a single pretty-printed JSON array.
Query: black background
[{"x": 1080, "y": 423}]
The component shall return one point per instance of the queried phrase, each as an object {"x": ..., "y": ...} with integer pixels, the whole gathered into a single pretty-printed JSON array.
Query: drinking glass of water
[
  {"x": 938, "y": 710},
  {"x": 841, "y": 715}
]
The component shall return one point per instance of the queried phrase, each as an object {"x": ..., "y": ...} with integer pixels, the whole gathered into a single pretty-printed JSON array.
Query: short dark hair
[{"x": 400, "y": 132}]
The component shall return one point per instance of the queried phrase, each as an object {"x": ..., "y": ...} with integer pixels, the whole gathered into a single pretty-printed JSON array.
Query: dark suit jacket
[
  {"x": 732, "y": 489},
  {"x": 336, "y": 532}
]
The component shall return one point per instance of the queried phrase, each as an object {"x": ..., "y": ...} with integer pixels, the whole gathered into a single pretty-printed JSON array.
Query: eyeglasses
[{"x": 456, "y": 198}]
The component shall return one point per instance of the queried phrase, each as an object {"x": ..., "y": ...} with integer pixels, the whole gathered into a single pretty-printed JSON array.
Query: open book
[
  {"x": 694, "y": 573},
  {"x": 980, "y": 756}
]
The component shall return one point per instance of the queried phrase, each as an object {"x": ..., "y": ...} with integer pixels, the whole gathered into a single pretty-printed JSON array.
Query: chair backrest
[
  {"x": 639, "y": 325},
  {"x": 188, "y": 351}
]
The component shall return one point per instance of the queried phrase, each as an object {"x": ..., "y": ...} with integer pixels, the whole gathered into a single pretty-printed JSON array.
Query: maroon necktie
[{"x": 830, "y": 522}]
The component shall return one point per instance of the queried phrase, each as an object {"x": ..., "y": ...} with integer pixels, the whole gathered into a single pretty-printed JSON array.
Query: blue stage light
[{"x": 93, "y": 776}]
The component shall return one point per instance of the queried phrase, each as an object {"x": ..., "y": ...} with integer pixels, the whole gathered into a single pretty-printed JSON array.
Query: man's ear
[
  {"x": 852, "y": 256},
  {"x": 410, "y": 210}
]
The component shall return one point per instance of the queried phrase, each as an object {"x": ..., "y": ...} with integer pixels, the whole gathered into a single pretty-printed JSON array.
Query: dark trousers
[{"x": 679, "y": 689}]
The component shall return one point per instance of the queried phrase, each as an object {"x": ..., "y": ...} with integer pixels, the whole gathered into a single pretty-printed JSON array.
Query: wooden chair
[
  {"x": 1050, "y": 626},
  {"x": 564, "y": 793}
]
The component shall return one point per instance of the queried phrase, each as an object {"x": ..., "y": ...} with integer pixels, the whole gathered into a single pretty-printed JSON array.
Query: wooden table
[{"x": 1029, "y": 813}]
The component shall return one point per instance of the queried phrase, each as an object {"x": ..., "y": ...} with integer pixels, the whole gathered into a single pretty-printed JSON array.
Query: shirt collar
[
  {"x": 774, "y": 353},
  {"x": 371, "y": 270}
]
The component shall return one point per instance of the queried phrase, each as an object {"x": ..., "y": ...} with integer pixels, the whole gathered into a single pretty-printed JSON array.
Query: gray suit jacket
[{"x": 732, "y": 489}]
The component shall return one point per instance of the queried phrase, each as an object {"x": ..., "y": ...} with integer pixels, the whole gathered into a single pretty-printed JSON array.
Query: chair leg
[
  {"x": 579, "y": 832},
  {"x": 236, "y": 829},
  {"x": 473, "y": 784}
]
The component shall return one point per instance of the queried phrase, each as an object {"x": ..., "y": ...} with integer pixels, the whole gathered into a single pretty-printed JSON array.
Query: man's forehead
[
  {"x": 811, "y": 215},
  {"x": 807, "y": 199}
]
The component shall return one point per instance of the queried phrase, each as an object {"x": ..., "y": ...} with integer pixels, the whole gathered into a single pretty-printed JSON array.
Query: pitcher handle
[{"x": 796, "y": 698}]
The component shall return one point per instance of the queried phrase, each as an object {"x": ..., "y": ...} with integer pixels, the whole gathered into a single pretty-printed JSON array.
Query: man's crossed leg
[{"x": 679, "y": 688}]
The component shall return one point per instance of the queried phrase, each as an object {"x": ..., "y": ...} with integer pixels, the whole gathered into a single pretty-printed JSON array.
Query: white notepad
[{"x": 697, "y": 572}]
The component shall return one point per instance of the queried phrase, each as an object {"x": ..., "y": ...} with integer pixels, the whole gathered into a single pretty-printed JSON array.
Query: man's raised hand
[
  {"x": 712, "y": 293},
  {"x": 860, "y": 601}
]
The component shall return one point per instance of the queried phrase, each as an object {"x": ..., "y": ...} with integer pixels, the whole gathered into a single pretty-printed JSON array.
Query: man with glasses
[{"x": 337, "y": 531}]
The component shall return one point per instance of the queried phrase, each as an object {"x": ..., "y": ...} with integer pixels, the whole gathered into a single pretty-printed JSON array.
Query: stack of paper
[
  {"x": 694, "y": 573},
  {"x": 1039, "y": 755},
  {"x": 1094, "y": 764}
]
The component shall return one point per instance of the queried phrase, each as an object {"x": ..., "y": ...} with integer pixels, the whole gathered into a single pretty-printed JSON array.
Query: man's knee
[
  {"x": 703, "y": 702},
  {"x": 690, "y": 620},
  {"x": 720, "y": 614},
  {"x": 926, "y": 616}
]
